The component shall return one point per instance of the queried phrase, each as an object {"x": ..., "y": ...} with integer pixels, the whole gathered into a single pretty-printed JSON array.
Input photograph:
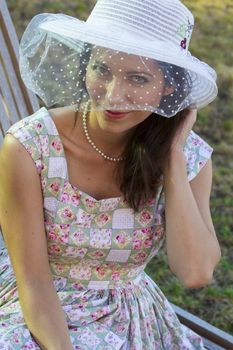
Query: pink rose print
[
  {"x": 100, "y": 271},
  {"x": 112, "y": 265},
  {"x": 137, "y": 244},
  {"x": 116, "y": 276},
  {"x": 146, "y": 231},
  {"x": 75, "y": 252},
  {"x": 196, "y": 141},
  {"x": 57, "y": 145},
  {"x": 16, "y": 338},
  {"x": 120, "y": 328},
  {"x": 147, "y": 243},
  {"x": 28, "y": 345},
  {"x": 58, "y": 233},
  {"x": 122, "y": 239},
  {"x": 52, "y": 236},
  {"x": 59, "y": 268},
  {"x": 98, "y": 254},
  {"x": 102, "y": 219},
  {"x": 38, "y": 125},
  {"x": 43, "y": 182},
  {"x": 77, "y": 286},
  {"x": 43, "y": 166},
  {"x": 63, "y": 237},
  {"x": 98, "y": 328},
  {"x": 79, "y": 237},
  {"x": 54, "y": 248},
  {"x": 54, "y": 187},
  {"x": 159, "y": 232},
  {"x": 90, "y": 203},
  {"x": 99, "y": 313},
  {"x": 38, "y": 165},
  {"x": 142, "y": 238},
  {"x": 64, "y": 226},
  {"x": 140, "y": 257},
  {"x": 66, "y": 213},
  {"x": 76, "y": 199},
  {"x": 84, "y": 299},
  {"x": 144, "y": 217},
  {"x": 65, "y": 197}
]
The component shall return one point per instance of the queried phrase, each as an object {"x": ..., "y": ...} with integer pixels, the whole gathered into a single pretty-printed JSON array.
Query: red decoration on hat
[{"x": 183, "y": 43}]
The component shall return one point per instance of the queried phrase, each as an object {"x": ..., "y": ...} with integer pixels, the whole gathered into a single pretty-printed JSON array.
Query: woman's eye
[
  {"x": 100, "y": 69},
  {"x": 138, "y": 79}
]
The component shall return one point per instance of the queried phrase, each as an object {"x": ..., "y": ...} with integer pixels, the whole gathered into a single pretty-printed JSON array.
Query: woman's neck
[{"x": 109, "y": 141}]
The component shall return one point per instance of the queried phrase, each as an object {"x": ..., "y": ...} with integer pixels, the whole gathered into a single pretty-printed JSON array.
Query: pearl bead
[{"x": 92, "y": 143}]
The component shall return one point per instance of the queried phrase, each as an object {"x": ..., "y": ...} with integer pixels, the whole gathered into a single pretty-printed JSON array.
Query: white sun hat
[{"x": 67, "y": 61}]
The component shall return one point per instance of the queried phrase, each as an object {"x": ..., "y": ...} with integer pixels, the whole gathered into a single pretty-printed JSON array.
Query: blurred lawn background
[{"x": 212, "y": 42}]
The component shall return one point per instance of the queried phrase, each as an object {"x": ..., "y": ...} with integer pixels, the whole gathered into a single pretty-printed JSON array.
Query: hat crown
[{"x": 165, "y": 20}]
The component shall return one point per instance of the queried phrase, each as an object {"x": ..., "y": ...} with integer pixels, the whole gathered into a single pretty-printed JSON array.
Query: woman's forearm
[
  {"x": 192, "y": 250},
  {"x": 44, "y": 315}
]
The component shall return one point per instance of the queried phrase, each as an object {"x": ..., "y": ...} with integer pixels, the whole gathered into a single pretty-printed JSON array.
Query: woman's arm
[
  {"x": 192, "y": 247},
  {"x": 44, "y": 316},
  {"x": 21, "y": 217}
]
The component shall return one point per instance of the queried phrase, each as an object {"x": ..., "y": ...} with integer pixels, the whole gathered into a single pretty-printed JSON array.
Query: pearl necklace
[{"x": 112, "y": 159}]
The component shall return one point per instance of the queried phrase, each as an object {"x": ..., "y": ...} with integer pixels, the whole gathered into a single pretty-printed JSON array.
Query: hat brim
[{"x": 202, "y": 75}]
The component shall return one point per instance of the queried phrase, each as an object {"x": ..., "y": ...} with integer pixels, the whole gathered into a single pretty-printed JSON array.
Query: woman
[{"x": 93, "y": 185}]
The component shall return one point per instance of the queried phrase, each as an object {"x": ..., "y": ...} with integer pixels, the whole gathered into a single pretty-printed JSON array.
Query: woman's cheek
[{"x": 95, "y": 89}]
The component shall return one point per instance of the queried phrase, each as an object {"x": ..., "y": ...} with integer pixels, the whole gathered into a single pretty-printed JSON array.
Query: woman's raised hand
[{"x": 184, "y": 130}]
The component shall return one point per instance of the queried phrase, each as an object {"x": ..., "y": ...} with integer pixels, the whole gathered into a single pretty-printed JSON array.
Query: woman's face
[{"x": 121, "y": 82}]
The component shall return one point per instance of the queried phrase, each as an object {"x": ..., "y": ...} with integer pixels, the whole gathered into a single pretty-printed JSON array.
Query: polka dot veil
[{"x": 66, "y": 71}]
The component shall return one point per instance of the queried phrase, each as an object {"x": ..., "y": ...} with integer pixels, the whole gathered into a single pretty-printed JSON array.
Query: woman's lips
[{"x": 115, "y": 115}]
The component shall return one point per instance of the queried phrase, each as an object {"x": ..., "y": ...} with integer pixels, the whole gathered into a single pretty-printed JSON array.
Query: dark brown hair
[
  {"x": 139, "y": 174},
  {"x": 145, "y": 157}
]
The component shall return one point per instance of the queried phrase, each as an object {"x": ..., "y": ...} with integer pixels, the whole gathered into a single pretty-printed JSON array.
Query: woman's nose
[{"x": 116, "y": 91}]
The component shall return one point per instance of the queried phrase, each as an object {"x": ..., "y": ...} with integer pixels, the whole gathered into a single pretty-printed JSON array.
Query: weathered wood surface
[
  {"x": 214, "y": 338},
  {"x": 16, "y": 101}
]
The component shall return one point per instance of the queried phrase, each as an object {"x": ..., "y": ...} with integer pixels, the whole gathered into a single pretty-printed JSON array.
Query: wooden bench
[
  {"x": 17, "y": 102},
  {"x": 213, "y": 337}
]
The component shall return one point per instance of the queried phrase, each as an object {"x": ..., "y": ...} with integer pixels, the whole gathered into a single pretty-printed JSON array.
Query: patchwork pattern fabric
[{"x": 98, "y": 250}]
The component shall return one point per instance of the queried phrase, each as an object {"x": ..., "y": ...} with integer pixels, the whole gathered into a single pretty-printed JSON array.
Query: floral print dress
[{"x": 98, "y": 250}]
